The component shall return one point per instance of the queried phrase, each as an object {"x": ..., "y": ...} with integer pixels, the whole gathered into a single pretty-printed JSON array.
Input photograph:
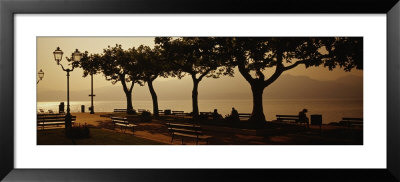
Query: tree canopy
[
  {"x": 197, "y": 56},
  {"x": 89, "y": 63},
  {"x": 253, "y": 56}
]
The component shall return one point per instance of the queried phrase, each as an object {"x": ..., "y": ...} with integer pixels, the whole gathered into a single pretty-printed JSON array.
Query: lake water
[{"x": 331, "y": 109}]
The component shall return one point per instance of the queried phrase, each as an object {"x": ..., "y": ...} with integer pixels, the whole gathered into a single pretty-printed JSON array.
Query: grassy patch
[{"x": 98, "y": 137}]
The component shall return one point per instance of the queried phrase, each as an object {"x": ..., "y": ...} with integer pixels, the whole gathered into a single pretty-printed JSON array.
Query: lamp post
[
  {"x": 76, "y": 56},
  {"x": 41, "y": 76},
  {"x": 92, "y": 95}
]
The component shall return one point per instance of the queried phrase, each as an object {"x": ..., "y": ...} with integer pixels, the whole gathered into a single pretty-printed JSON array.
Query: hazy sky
[{"x": 55, "y": 78}]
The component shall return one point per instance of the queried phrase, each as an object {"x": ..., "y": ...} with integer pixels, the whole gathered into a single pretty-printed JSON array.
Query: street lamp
[
  {"x": 58, "y": 55},
  {"x": 41, "y": 75},
  {"x": 76, "y": 56},
  {"x": 91, "y": 95}
]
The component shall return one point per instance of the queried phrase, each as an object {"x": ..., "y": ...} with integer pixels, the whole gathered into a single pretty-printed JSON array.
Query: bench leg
[
  {"x": 172, "y": 139},
  {"x": 320, "y": 129},
  {"x": 182, "y": 140}
]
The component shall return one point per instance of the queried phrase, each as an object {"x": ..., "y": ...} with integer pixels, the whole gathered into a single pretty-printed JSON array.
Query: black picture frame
[{"x": 9, "y": 8}]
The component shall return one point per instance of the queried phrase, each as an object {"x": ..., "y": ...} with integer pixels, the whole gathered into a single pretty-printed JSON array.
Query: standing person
[{"x": 303, "y": 117}]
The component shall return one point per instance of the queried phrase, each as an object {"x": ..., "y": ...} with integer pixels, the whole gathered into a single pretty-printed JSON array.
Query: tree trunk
[
  {"x": 129, "y": 107},
  {"x": 257, "y": 115},
  {"x": 154, "y": 97},
  {"x": 194, "y": 99},
  {"x": 128, "y": 93}
]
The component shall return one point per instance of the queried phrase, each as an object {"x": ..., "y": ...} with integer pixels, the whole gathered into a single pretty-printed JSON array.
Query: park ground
[{"x": 156, "y": 132}]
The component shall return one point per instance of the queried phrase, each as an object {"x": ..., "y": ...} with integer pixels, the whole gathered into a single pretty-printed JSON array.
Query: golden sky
[{"x": 55, "y": 78}]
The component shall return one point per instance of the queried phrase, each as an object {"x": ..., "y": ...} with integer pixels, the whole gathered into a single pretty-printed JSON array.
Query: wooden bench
[
  {"x": 187, "y": 131},
  {"x": 160, "y": 112},
  {"x": 120, "y": 110},
  {"x": 292, "y": 118},
  {"x": 351, "y": 122},
  {"x": 244, "y": 116},
  {"x": 206, "y": 115},
  {"x": 123, "y": 123},
  {"x": 52, "y": 120},
  {"x": 289, "y": 118},
  {"x": 141, "y": 110},
  {"x": 178, "y": 112}
]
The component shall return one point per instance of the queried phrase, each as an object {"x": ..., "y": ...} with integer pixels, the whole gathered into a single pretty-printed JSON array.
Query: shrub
[
  {"x": 78, "y": 132},
  {"x": 133, "y": 111},
  {"x": 145, "y": 116},
  {"x": 203, "y": 117},
  {"x": 232, "y": 118}
]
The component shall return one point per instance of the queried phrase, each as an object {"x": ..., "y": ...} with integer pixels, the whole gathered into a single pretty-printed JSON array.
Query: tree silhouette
[
  {"x": 198, "y": 57},
  {"x": 150, "y": 62},
  {"x": 258, "y": 56},
  {"x": 89, "y": 63},
  {"x": 119, "y": 65}
]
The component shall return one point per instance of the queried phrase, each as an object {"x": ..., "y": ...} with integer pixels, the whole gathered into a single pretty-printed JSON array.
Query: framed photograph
[{"x": 127, "y": 90}]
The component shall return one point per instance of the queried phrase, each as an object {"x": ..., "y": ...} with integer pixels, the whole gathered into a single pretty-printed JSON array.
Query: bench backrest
[
  {"x": 352, "y": 119},
  {"x": 288, "y": 116},
  {"x": 49, "y": 115},
  {"x": 43, "y": 118},
  {"x": 141, "y": 110},
  {"x": 244, "y": 115},
  {"x": 119, "y": 110},
  {"x": 206, "y": 113},
  {"x": 179, "y": 114},
  {"x": 119, "y": 120},
  {"x": 161, "y": 112},
  {"x": 185, "y": 128}
]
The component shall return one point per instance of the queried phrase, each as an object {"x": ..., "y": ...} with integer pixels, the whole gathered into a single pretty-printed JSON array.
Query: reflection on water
[{"x": 331, "y": 109}]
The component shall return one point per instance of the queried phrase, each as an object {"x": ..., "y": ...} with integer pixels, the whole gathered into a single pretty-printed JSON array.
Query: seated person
[
  {"x": 216, "y": 115},
  {"x": 303, "y": 117},
  {"x": 234, "y": 115}
]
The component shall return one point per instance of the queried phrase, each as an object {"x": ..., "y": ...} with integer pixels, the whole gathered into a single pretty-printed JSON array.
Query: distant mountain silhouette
[
  {"x": 303, "y": 87},
  {"x": 286, "y": 87}
]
